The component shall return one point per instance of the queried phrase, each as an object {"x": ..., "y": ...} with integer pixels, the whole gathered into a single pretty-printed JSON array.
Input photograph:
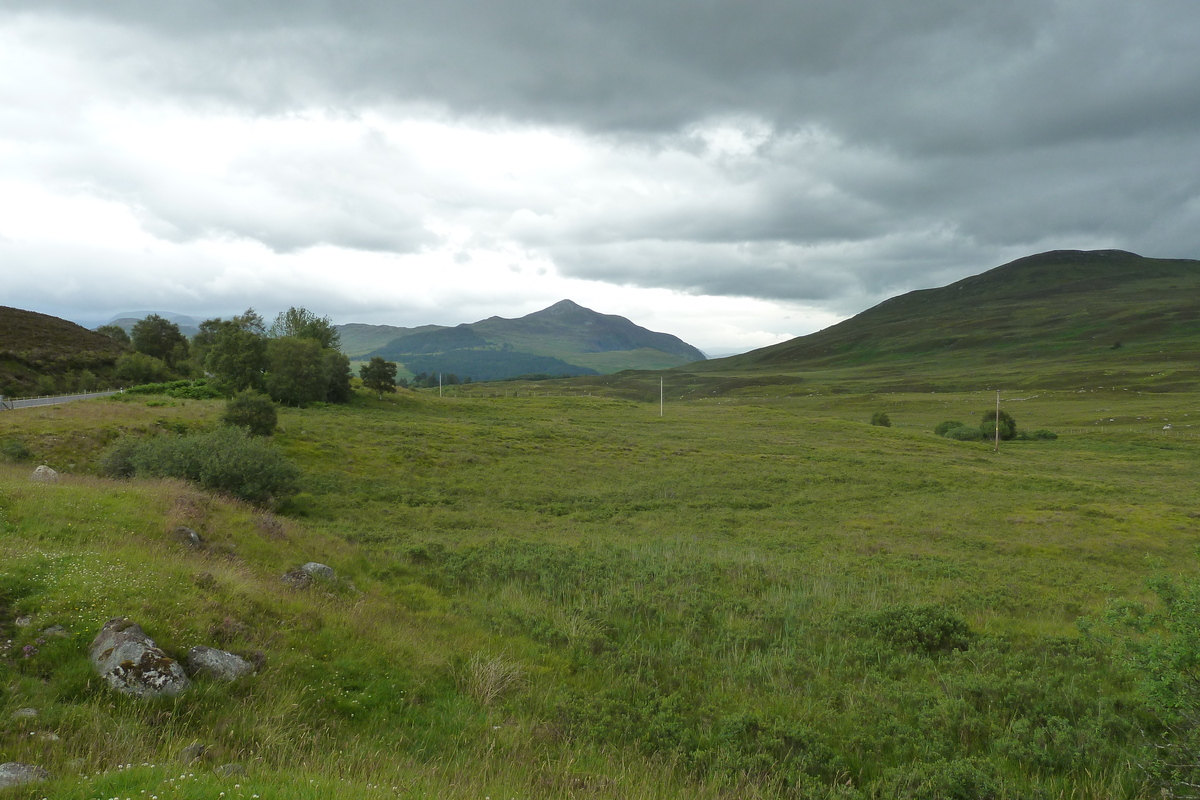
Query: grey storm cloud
[
  {"x": 924, "y": 74},
  {"x": 888, "y": 145}
]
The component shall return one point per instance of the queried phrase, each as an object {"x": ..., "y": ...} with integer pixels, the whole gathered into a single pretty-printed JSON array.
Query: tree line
[{"x": 295, "y": 360}]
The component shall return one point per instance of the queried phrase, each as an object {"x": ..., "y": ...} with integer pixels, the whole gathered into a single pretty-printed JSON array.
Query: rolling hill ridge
[
  {"x": 1052, "y": 319},
  {"x": 565, "y": 339}
]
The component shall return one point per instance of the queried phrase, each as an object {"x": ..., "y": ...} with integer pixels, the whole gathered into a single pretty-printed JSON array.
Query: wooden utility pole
[
  {"x": 660, "y": 396},
  {"x": 997, "y": 448}
]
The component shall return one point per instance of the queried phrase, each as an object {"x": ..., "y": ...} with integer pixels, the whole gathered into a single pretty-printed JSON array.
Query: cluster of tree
[
  {"x": 988, "y": 429},
  {"x": 296, "y": 361}
]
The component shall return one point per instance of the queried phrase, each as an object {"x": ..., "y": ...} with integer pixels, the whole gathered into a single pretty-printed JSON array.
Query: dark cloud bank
[{"x": 887, "y": 145}]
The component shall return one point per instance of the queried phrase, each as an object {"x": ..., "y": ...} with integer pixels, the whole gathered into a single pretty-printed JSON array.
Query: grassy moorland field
[{"x": 758, "y": 594}]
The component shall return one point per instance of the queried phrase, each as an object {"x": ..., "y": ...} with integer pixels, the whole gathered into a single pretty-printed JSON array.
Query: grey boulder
[
  {"x": 321, "y": 571},
  {"x": 217, "y": 664},
  {"x": 133, "y": 664},
  {"x": 16, "y": 774},
  {"x": 44, "y": 474}
]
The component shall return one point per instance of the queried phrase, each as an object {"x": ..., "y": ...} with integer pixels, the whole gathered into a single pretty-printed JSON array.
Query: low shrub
[
  {"x": 1043, "y": 434},
  {"x": 224, "y": 460},
  {"x": 964, "y": 433},
  {"x": 921, "y": 629},
  {"x": 185, "y": 390},
  {"x": 1008, "y": 426},
  {"x": 13, "y": 449},
  {"x": 253, "y": 411},
  {"x": 949, "y": 424},
  {"x": 956, "y": 779},
  {"x": 881, "y": 419}
]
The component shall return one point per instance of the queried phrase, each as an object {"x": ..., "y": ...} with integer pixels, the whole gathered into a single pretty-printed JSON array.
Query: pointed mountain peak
[{"x": 563, "y": 306}]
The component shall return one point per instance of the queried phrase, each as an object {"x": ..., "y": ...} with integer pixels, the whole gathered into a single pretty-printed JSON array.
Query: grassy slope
[
  {"x": 33, "y": 344},
  {"x": 1050, "y": 320},
  {"x": 358, "y": 339},
  {"x": 651, "y": 586}
]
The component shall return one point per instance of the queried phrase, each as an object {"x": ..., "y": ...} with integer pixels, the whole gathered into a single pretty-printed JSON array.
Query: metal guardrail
[{"x": 12, "y": 403}]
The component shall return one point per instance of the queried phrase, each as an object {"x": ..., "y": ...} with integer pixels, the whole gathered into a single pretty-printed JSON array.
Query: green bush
[
  {"x": 13, "y": 449},
  {"x": 942, "y": 427},
  {"x": 1043, "y": 434},
  {"x": 138, "y": 368},
  {"x": 957, "y": 779},
  {"x": 1008, "y": 426},
  {"x": 964, "y": 433},
  {"x": 921, "y": 629},
  {"x": 253, "y": 411},
  {"x": 224, "y": 460},
  {"x": 186, "y": 390},
  {"x": 881, "y": 419}
]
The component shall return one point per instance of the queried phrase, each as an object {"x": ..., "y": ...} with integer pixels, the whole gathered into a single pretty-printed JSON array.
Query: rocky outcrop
[
  {"x": 319, "y": 571},
  {"x": 133, "y": 664},
  {"x": 303, "y": 577},
  {"x": 217, "y": 664},
  {"x": 16, "y": 774}
]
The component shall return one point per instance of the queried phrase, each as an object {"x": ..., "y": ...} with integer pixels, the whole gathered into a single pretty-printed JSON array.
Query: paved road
[{"x": 7, "y": 404}]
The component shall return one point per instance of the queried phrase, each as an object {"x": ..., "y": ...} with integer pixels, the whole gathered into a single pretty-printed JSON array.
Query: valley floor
[{"x": 754, "y": 595}]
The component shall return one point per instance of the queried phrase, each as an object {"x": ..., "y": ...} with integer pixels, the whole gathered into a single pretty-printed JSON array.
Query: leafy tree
[
  {"x": 160, "y": 338},
  {"x": 1008, "y": 426},
  {"x": 135, "y": 368},
  {"x": 379, "y": 375},
  {"x": 237, "y": 357},
  {"x": 211, "y": 330},
  {"x": 336, "y": 367},
  {"x": 296, "y": 371},
  {"x": 116, "y": 333},
  {"x": 253, "y": 411},
  {"x": 304, "y": 324}
]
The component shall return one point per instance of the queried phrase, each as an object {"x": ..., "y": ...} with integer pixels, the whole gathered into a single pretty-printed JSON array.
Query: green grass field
[{"x": 758, "y": 594}]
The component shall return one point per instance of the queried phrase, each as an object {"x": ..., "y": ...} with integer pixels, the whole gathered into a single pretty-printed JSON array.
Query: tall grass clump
[{"x": 227, "y": 460}]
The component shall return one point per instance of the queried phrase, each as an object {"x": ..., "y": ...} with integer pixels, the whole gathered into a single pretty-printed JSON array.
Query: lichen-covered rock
[
  {"x": 297, "y": 579},
  {"x": 320, "y": 571},
  {"x": 16, "y": 774},
  {"x": 193, "y": 752},
  {"x": 132, "y": 663},
  {"x": 44, "y": 474},
  {"x": 218, "y": 664}
]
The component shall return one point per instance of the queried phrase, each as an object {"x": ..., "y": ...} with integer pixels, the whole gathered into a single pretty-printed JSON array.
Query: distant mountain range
[
  {"x": 188, "y": 326},
  {"x": 564, "y": 339}
]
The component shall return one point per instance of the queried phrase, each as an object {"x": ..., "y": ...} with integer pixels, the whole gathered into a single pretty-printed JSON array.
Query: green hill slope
[
  {"x": 38, "y": 347},
  {"x": 1053, "y": 319},
  {"x": 358, "y": 339}
]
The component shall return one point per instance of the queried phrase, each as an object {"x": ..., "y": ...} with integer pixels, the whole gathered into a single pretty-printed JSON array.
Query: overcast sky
[{"x": 733, "y": 172}]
